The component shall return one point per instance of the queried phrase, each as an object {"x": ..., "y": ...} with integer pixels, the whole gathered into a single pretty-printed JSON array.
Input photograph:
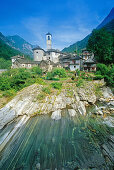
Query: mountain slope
[
  {"x": 20, "y": 44},
  {"x": 107, "y": 23},
  {"x": 6, "y": 51},
  {"x": 109, "y": 18}
]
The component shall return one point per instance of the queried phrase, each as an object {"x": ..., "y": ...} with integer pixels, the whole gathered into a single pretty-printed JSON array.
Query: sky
[{"x": 67, "y": 20}]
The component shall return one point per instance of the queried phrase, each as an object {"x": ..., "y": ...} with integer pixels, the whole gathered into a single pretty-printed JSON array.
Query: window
[
  {"x": 48, "y": 37},
  {"x": 74, "y": 66},
  {"x": 49, "y": 58},
  {"x": 37, "y": 52}
]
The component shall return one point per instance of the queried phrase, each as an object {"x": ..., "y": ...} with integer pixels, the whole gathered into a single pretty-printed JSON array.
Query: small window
[
  {"x": 37, "y": 52},
  {"x": 48, "y": 37},
  {"x": 74, "y": 66},
  {"x": 49, "y": 58}
]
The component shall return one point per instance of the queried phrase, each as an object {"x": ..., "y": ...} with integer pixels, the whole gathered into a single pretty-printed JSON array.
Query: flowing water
[{"x": 69, "y": 143}]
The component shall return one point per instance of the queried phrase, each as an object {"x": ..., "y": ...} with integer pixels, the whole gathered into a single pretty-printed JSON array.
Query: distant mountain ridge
[
  {"x": 107, "y": 23},
  {"x": 20, "y": 44}
]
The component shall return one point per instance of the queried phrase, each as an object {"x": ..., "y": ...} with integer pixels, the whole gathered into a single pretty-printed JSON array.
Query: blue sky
[{"x": 67, "y": 20}]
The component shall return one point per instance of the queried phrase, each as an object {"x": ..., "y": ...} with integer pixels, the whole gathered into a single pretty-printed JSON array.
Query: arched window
[{"x": 48, "y": 37}]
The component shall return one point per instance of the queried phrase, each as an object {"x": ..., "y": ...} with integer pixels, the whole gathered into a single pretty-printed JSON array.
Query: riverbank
[{"x": 34, "y": 100}]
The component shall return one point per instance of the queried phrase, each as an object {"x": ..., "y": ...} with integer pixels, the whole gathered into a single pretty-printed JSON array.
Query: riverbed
[{"x": 66, "y": 144}]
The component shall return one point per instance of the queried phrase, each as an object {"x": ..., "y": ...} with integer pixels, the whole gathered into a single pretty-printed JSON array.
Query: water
[{"x": 69, "y": 143}]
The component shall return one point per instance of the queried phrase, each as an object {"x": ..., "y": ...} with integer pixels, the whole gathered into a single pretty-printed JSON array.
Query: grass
[
  {"x": 41, "y": 96},
  {"x": 46, "y": 90}
]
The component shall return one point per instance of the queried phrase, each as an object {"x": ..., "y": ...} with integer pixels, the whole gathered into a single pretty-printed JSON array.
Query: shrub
[
  {"x": 98, "y": 77},
  {"x": 5, "y": 83},
  {"x": 79, "y": 83},
  {"x": 9, "y": 93},
  {"x": 41, "y": 96},
  {"x": 49, "y": 76},
  {"x": 61, "y": 72},
  {"x": 40, "y": 81},
  {"x": 37, "y": 70},
  {"x": 46, "y": 90},
  {"x": 56, "y": 85}
]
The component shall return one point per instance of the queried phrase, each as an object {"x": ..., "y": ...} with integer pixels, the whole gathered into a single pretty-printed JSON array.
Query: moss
[
  {"x": 46, "y": 90},
  {"x": 41, "y": 96}
]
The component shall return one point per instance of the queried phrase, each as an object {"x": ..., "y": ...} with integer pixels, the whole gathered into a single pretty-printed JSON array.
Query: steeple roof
[{"x": 48, "y": 34}]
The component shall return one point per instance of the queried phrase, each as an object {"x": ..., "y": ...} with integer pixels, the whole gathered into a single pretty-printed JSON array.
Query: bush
[
  {"x": 46, "y": 90},
  {"x": 40, "y": 81},
  {"x": 5, "y": 83},
  {"x": 9, "y": 93},
  {"x": 56, "y": 85},
  {"x": 107, "y": 72},
  {"x": 79, "y": 83},
  {"x": 98, "y": 77},
  {"x": 49, "y": 76},
  {"x": 61, "y": 72},
  {"x": 41, "y": 96},
  {"x": 37, "y": 70}
]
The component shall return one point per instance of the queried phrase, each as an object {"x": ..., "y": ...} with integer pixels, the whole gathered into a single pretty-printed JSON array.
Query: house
[
  {"x": 75, "y": 63},
  {"x": 86, "y": 54},
  {"x": 89, "y": 65},
  {"x": 21, "y": 62}
]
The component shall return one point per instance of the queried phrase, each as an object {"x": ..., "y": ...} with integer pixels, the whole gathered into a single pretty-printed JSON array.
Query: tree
[{"x": 101, "y": 44}]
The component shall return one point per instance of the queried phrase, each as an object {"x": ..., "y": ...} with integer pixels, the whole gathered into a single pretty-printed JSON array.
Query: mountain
[
  {"x": 20, "y": 44},
  {"x": 6, "y": 51},
  {"x": 108, "y": 19},
  {"x": 107, "y": 23}
]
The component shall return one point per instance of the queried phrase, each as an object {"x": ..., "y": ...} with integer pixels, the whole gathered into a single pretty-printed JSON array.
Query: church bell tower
[{"x": 48, "y": 39}]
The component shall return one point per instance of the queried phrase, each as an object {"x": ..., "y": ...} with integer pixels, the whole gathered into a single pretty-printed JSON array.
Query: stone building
[{"x": 49, "y": 54}]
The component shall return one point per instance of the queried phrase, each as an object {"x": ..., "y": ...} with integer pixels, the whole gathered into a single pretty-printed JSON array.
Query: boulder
[
  {"x": 72, "y": 112},
  {"x": 56, "y": 115}
]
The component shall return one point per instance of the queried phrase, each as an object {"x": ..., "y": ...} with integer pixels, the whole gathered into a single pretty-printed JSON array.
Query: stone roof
[
  {"x": 54, "y": 50},
  {"x": 25, "y": 61},
  {"x": 17, "y": 56},
  {"x": 89, "y": 61},
  {"x": 38, "y": 48},
  {"x": 48, "y": 34},
  {"x": 76, "y": 58}
]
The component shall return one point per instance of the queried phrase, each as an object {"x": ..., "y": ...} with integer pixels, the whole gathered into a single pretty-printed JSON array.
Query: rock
[
  {"x": 72, "y": 112},
  {"x": 107, "y": 93},
  {"x": 56, "y": 115},
  {"x": 38, "y": 166},
  {"x": 81, "y": 108}
]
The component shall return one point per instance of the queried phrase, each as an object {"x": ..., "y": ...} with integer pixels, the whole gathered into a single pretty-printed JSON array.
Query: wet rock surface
[{"x": 27, "y": 103}]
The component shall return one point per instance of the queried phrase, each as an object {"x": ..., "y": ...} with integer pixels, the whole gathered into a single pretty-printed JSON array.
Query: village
[{"x": 52, "y": 58}]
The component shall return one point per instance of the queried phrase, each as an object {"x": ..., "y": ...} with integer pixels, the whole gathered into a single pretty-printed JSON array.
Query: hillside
[
  {"x": 6, "y": 52},
  {"x": 20, "y": 44},
  {"x": 107, "y": 23}
]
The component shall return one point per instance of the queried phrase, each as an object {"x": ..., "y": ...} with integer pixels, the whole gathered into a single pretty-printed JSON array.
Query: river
[{"x": 66, "y": 144}]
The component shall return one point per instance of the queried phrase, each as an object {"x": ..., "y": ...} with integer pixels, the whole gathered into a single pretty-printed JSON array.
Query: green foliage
[
  {"x": 5, "y": 64},
  {"x": 98, "y": 77},
  {"x": 41, "y": 96},
  {"x": 40, "y": 81},
  {"x": 61, "y": 72},
  {"x": 101, "y": 44},
  {"x": 46, "y": 90},
  {"x": 107, "y": 72},
  {"x": 37, "y": 70},
  {"x": 49, "y": 76},
  {"x": 56, "y": 73},
  {"x": 5, "y": 83},
  {"x": 79, "y": 83},
  {"x": 9, "y": 93},
  {"x": 56, "y": 85}
]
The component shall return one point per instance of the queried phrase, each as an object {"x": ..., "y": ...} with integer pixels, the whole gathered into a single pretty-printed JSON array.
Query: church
[{"x": 50, "y": 54}]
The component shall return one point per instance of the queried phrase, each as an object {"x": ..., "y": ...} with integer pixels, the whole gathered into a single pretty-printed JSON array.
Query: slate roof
[
  {"x": 24, "y": 61},
  {"x": 76, "y": 58},
  {"x": 48, "y": 34},
  {"x": 53, "y": 50},
  {"x": 38, "y": 48},
  {"x": 89, "y": 61}
]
